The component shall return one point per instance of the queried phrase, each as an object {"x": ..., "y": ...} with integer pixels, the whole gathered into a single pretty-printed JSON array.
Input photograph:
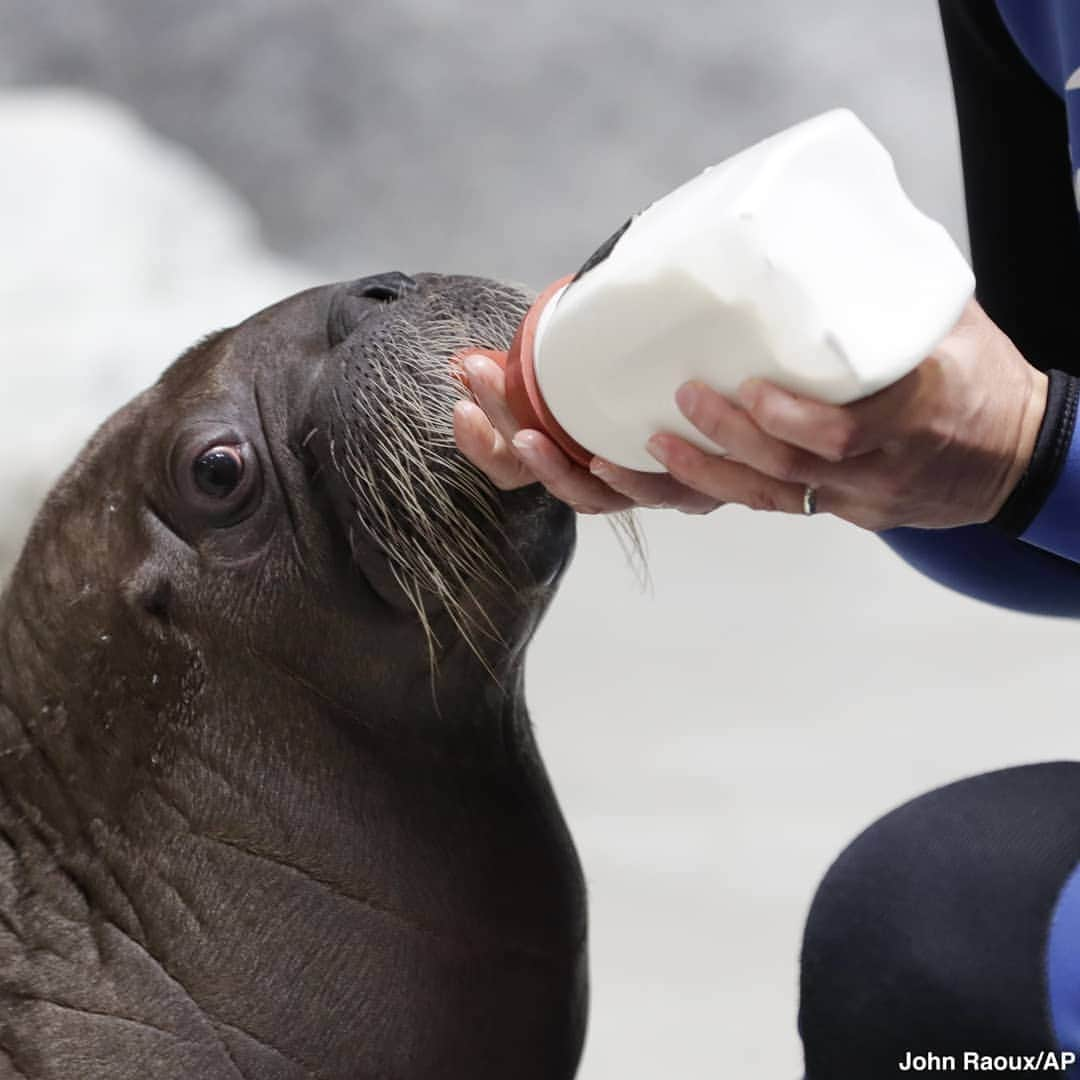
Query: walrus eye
[
  {"x": 217, "y": 480},
  {"x": 218, "y": 471}
]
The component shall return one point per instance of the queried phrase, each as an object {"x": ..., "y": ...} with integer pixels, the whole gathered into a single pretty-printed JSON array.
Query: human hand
[
  {"x": 943, "y": 447},
  {"x": 511, "y": 456}
]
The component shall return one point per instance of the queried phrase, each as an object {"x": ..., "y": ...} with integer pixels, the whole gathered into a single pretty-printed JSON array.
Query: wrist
[
  {"x": 1030, "y": 422},
  {"x": 1025, "y": 499}
]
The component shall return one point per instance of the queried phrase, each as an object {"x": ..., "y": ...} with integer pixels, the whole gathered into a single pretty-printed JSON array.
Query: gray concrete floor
[{"x": 715, "y": 742}]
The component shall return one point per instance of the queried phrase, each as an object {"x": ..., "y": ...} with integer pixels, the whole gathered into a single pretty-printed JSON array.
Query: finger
[
  {"x": 657, "y": 490},
  {"x": 541, "y": 458},
  {"x": 488, "y": 382},
  {"x": 584, "y": 492},
  {"x": 487, "y": 449},
  {"x": 725, "y": 480},
  {"x": 833, "y": 432},
  {"x": 734, "y": 429}
]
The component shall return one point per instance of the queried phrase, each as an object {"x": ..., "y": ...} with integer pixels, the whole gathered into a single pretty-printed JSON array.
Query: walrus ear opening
[
  {"x": 149, "y": 592},
  {"x": 157, "y": 600}
]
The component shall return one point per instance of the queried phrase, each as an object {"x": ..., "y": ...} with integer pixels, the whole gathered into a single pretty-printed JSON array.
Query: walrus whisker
[
  {"x": 631, "y": 538},
  {"x": 435, "y": 516},
  {"x": 411, "y": 565}
]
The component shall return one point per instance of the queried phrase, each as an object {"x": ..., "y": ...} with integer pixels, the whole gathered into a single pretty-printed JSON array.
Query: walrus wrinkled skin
[{"x": 268, "y": 808}]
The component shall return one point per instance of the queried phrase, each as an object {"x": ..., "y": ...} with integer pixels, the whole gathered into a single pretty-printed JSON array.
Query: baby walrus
[{"x": 270, "y": 804}]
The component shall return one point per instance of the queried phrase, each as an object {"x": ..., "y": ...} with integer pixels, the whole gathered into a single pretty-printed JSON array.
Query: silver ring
[{"x": 809, "y": 501}]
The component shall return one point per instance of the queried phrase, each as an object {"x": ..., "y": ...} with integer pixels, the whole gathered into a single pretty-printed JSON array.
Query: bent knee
[{"x": 930, "y": 932}]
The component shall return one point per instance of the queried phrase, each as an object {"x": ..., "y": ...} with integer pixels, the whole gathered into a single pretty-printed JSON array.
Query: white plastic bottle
[{"x": 800, "y": 259}]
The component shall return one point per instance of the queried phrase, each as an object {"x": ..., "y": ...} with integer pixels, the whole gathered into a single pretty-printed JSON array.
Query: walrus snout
[{"x": 382, "y": 418}]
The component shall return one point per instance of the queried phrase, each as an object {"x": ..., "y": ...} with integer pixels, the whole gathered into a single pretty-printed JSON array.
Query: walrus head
[
  {"x": 266, "y": 768},
  {"x": 309, "y": 453}
]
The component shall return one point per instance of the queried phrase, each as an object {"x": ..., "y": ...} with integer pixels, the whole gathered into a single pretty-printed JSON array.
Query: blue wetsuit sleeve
[
  {"x": 1025, "y": 248},
  {"x": 1028, "y": 558},
  {"x": 1056, "y": 525},
  {"x": 985, "y": 563}
]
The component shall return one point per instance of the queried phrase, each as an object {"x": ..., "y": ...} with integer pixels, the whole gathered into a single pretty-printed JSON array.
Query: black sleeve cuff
[{"x": 1051, "y": 447}]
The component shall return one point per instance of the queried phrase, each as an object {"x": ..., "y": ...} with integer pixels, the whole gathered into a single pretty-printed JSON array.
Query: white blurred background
[{"x": 166, "y": 169}]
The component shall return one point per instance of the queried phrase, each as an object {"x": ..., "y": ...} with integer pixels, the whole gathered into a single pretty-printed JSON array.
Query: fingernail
[
  {"x": 657, "y": 446},
  {"x": 473, "y": 364},
  {"x": 600, "y": 467},
  {"x": 749, "y": 392},
  {"x": 687, "y": 396},
  {"x": 469, "y": 411},
  {"x": 525, "y": 443}
]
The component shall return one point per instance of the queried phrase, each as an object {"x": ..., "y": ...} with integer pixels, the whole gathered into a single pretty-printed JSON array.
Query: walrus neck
[
  {"x": 247, "y": 863},
  {"x": 92, "y": 754}
]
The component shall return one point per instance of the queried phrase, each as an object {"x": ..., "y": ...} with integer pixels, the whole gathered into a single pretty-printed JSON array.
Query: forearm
[
  {"x": 1021, "y": 206},
  {"x": 1026, "y": 253},
  {"x": 1044, "y": 509},
  {"x": 986, "y": 564}
]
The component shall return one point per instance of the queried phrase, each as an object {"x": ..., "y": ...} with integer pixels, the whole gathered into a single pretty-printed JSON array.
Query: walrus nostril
[
  {"x": 353, "y": 302},
  {"x": 386, "y": 287}
]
